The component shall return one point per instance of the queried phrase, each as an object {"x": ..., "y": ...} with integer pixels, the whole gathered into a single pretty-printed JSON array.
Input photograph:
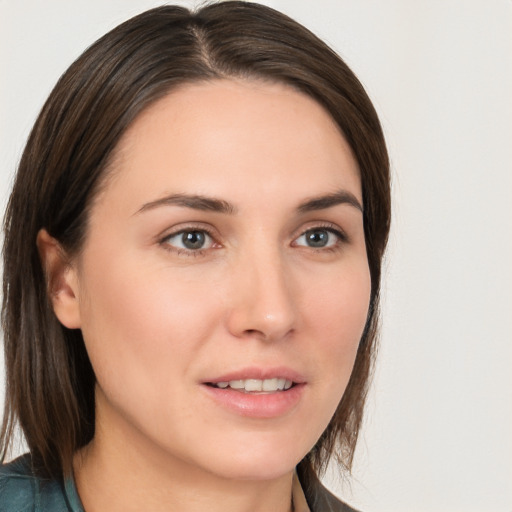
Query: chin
[
  {"x": 256, "y": 462},
  {"x": 255, "y": 471}
]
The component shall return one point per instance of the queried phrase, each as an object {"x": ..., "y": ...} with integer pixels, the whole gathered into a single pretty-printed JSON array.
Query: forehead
[{"x": 252, "y": 135}]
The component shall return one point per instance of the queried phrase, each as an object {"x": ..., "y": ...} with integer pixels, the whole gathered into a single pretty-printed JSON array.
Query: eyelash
[{"x": 331, "y": 228}]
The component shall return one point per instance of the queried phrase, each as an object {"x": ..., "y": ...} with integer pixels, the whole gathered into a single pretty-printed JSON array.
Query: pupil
[
  {"x": 193, "y": 239},
  {"x": 317, "y": 238}
]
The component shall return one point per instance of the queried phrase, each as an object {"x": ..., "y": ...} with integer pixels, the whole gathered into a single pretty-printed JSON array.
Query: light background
[{"x": 439, "y": 430}]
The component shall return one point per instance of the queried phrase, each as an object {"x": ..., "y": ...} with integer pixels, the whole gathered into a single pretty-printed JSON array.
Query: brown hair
[{"x": 50, "y": 381}]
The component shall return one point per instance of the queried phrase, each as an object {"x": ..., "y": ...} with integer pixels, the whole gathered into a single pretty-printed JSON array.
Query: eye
[
  {"x": 190, "y": 240},
  {"x": 319, "y": 238}
]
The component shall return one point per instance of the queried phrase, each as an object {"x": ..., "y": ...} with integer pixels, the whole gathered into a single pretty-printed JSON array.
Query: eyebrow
[
  {"x": 330, "y": 200},
  {"x": 196, "y": 202},
  {"x": 199, "y": 202}
]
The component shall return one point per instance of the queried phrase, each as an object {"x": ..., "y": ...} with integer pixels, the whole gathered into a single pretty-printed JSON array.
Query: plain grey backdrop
[{"x": 438, "y": 435}]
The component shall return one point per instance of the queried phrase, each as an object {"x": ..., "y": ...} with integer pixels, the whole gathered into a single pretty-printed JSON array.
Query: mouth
[
  {"x": 262, "y": 393},
  {"x": 272, "y": 385}
]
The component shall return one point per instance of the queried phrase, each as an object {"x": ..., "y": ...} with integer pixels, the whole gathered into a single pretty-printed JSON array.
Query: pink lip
[
  {"x": 257, "y": 405},
  {"x": 259, "y": 373}
]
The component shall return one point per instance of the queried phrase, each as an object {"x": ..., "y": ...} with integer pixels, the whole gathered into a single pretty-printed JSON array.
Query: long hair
[{"x": 50, "y": 381}]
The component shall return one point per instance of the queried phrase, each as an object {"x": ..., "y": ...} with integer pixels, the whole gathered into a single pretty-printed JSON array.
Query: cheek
[
  {"x": 149, "y": 325},
  {"x": 339, "y": 306},
  {"x": 337, "y": 315}
]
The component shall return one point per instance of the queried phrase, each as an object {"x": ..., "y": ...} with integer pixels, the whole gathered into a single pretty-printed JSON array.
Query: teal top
[{"x": 21, "y": 491}]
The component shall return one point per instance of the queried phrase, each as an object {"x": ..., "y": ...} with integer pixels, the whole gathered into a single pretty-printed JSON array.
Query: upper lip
[{"x": 259, "y": 373}]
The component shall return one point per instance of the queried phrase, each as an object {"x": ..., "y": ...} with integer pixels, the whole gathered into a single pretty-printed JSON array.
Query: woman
[{"x": 192, "y": 262}]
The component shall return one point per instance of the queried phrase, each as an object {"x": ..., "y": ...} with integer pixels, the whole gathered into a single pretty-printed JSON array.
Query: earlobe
[{"x": 61, "y": 280}]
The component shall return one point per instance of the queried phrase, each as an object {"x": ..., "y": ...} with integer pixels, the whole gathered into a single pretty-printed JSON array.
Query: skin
[{"x": 159, "y": 319}]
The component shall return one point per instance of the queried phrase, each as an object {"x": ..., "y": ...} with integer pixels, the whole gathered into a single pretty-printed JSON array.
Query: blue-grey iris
[
  {"x": 317, "y": 238},
  {"x": 193, "y": 239}
]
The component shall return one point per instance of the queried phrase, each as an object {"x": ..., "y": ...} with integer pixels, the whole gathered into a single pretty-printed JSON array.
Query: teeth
[
  {"x": 253, "y": 385},
  {"x": 269, "y": 385},
  {"x": 236, "y": 384},
  {"x": 257, "y": 385}
]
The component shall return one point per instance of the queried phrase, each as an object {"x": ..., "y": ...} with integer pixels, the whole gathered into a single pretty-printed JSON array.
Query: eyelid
[
  {"x": 328, "y": 226},
  {"x": 187, "y": 226},
  {"x": 163, "y": 238}
]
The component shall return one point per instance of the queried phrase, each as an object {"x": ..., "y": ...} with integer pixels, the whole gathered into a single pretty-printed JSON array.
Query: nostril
[{"x": 255, "y": 333}]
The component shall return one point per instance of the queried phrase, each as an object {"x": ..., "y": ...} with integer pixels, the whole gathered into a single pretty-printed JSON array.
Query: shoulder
[
  {"x": 17, "y": 486},
  {"x": 22, "y": 491},
  {"x": 319, "y": 498},
  {"x": 322, "y": 500}
]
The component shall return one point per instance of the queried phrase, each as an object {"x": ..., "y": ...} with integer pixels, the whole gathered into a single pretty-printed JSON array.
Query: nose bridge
[{"x": 263, "y": 304}]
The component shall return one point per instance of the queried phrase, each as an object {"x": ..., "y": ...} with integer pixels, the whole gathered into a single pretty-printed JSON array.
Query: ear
[{"x": 61, "y": 280}]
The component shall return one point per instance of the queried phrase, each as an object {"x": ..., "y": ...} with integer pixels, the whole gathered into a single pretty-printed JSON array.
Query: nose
[{"x": 262, "y": 303}]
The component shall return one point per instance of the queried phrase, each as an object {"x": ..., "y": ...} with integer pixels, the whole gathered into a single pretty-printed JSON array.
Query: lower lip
[{"x": 257, "y": 405}]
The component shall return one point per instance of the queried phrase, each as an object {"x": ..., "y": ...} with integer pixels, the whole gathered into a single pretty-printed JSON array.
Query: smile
[{"x": 256, "y": 385}]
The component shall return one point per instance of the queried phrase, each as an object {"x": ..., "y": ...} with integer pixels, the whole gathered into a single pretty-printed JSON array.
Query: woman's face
[{"x": 225, "y": 258}]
